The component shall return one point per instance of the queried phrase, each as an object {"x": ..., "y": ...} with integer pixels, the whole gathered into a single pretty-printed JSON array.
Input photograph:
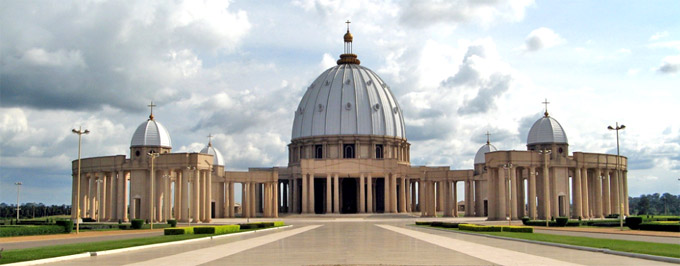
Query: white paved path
[
  {"x": 205, "y": 255},
  {"x": 488, "y": 253}
]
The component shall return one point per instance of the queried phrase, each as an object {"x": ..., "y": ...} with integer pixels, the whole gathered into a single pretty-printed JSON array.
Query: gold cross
[
  {"x": 210, "y": 136},
  {"x": 487, "y": 137},
  {"x": 151, "y": 106},
  {"x": 546, "y": 106},
  {"x": 348, "y": 24}
]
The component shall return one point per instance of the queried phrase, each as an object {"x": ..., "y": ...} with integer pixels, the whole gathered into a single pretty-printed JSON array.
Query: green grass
[
  {"x": 27, "y": 254},
  {"x": 658, "y": 249}
]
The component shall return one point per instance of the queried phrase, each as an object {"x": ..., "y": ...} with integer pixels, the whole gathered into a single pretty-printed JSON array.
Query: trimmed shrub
[
  {"x": 573, "y": 223},
  {"x": 220, "y": 229},
  {"x": 423, "y": 223},
  {"x": 204, "y": 230},
  {"x": 633, "y": 222},
  {"x": 525, "y": 219},
  {"x": 518, "y": 229},
  {"x": 248, "y": 226},
  {"x": 540, "y": 223},
  {"x": 137, "y": 223},
  {"x": 436, "y": 224},
  {"x": 29, "y": 230},
  {"x": 266, "y": 224},
  {"x": 562, "y": 221},
  {"x": 480, "y": 228},
  {"x": 450, "y": 225},
  {"x": 124, "y": 227},
  {"x": 178, "y": 231},
  {"x": 279, "y": 223},
  {"x": 67, "y": 224},
  {"x": 88, "y": 220},
  {"x": 155, "y": 226},
  {"x": 612, "y": 216},
  {"x": 97, "y": 226},
  {"x": 172, "y": 223},
  {"x": 605, "y": 223},
  {"x": 670, "y": 226}
]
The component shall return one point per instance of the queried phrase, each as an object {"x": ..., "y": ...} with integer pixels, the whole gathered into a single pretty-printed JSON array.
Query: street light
[
  {"x": 18, "y": 184},
  {"x": 508, "y": 166},
  {"x": 618, "y": 174},
  {"x": 153, "y": 155},
  {"x": 80, "y": 133}
]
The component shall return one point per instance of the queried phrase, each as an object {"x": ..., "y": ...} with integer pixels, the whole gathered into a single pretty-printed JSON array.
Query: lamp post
[
  {"x": 80, "y": 133},
  {"x": 507, "y": 167},
  {"x": 18, "y": 184},
  {"x": 152, "y": 155},
  {"x": 99, "y": 198},
  {"x": 618, "y": 174}
]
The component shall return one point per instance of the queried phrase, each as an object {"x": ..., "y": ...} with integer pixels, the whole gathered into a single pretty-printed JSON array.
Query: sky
[{"x": 238, "y": 69}]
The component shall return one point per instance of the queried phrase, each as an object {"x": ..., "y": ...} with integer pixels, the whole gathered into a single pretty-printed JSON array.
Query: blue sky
[{"x": 237, "y": 69}]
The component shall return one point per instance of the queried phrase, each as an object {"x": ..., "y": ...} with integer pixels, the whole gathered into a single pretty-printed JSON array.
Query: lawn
[
  {"x": 18, "y": 255},
  {"x": 650, "y": 248}
]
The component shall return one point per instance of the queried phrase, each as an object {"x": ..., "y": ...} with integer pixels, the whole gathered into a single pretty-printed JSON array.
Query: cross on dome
[
  {"x": 210, "y": 136},
  {"x": 151, "y": 106},
  {"x": 546, "y": 102},
  {"x": 487, "y": 138}
]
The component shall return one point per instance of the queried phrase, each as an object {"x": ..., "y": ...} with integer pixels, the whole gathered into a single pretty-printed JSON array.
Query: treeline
[
  {"x": 655, "y": 204},
  {"x": 31, "y": 210}
]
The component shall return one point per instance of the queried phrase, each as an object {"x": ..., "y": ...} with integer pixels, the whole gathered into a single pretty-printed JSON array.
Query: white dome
[
  {"x": 151, "y": 134},
  {"x": 348, "y": 99},
  {"x": 546, "y": 131},
  {"x": 479, "y": 157},
  {"x": 217, "y": 156}
]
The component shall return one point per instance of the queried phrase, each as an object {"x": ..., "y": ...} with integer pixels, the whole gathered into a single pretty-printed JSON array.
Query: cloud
[
  {"x": 418, "y": 13},
  {"x": 54, "y": 57},
  {"x": 542, "y": 38},
  {"x": 670, "y": 65},
  {"x": 658, "y": 35}
]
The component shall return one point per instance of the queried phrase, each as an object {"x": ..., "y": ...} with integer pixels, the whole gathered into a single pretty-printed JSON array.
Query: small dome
[
  {"x": 217, "y": 156},
  {"x": 546, "y": 131},
  {"x": 348, "y": 99},
  {"x": 348, "y": 37},
  {"x": 151, "y": 134},
  {"x": 479, "y": 157}
]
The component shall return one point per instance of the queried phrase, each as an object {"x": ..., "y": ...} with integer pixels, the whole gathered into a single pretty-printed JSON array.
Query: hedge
[
  {"x": 137, "y": 223},
  {"x": 220, "y": 229},
  {"x": 155, "y": 226},
  {"x": 562, "y": 221},
  {"x": 29, "y": 230},
  {"x": 279, "y": 223},
  {"x": 67, "y": 224},
  {"x": 668, "y": 226},
  {"x": 423, "y": 223},
  {"x": 178, "y": 231},
  {"x": 495, "y": 228},
  {"x": 633, "y": 222},
  {"x": 172, "y": 223}
]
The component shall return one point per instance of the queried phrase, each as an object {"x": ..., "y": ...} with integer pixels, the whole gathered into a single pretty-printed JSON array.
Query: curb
[
  {"x": 602, "y": 250},
  {"x": 114, "y": 251}
]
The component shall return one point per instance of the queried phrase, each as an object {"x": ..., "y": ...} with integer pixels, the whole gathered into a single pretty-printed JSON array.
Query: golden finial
[
  {"x": 210, "y": 136},
  {"x": 348, "y": 57},
  {"x": 151, "y": 106},
  {"x": 348, "y": 36},
  {"x": 546, "y": 107}
]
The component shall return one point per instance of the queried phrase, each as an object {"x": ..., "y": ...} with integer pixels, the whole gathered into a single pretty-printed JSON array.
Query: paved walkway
[{"x": 357, "y": 242}]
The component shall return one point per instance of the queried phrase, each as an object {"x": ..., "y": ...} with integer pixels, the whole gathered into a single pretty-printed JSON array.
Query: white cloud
[
  {"x": 61, "y": 58},
  {"x": 421, "y": 13},
  {"x": 542, "y": 38},
  {"x": 670, "y": 65},
  {"x": 658, "y": 35}
]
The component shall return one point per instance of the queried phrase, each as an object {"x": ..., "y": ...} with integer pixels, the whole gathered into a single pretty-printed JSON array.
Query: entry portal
[{"x": 349, "y": 195}]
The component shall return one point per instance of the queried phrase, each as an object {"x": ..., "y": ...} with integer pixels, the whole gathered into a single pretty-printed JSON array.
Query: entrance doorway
[
  {"x": 212, "y": 209},
  {"x": 379, "y": 195},
  {"x": 486, "y": 208},
  {"x": 319, "y": 195},
  {"x": 349, "y": 195}
]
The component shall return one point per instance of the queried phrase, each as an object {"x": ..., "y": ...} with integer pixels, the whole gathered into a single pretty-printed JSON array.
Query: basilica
[{"x": 349, "y": 154}]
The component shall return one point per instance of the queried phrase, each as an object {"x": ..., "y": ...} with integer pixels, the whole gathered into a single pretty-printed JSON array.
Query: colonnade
[
  {"x": 442, "y": 196},
  {"x": 542, "y": 191},
  {"x": 102, "y": 195}
]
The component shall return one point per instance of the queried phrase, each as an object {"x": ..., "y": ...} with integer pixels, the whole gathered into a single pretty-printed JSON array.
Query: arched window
[
  {"x": 318, "y": 151},
  {"x": 348, "y": 151},
  {"x": 378, "y": 151}
]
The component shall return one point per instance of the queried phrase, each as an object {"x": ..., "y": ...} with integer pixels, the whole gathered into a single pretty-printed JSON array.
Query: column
[
  {"x": 455, "y": 199},
  {"x": 184, "y": 196},
  {"x": 606, "y": 199},
  {"x": 598, "y": 193},
  {"x": 393, "y": 193},
  {"x": 119, "y": 196},
  {"x": 110, "y": 197},
  {"x": 177, "y": 207},
  {"x": 576, "y": 184},
  {"x": 469, "y": 198},
  {"x": 421, "y": 194},
  {"x": 266, "y": 200},
  {"x": 295, "y": 199},
  {"x": 585, "y": 205},
  {"x": 615, "y": 193},
  {"x": 546, "y": 191},
  {"x": 231, "y": 200},
  {"x": 253, "y": 201},
  {"x": 532, "y": 193},
  {"x": 502, "y": 194},
  {"x": 412, "y": 198},
  {"x": 93, "y": 195},
  {"x": 433, "y": 199},
  {"x": 208, "y": 196},
  {"x": 625, "y": 192},
  {"x": 195, "y": 195},
  {"x": 369, "y": 194},
  {"x": 402, "y": 195},
  {"x": 439, "y": 193},
  {"x": 329, "y": 193},
  {"x": 275, "y": 199},
  {"x": 311, "y": 193},
  {"x": 245, "y": 198},
  {"x": 305, "y": 197},
  {"x": 514, "y": 194},
  {"x": 224, "y": 198},
  {"x": 167, "y": 205},
  {"x": 362, "y": 194},
  {"x": 446, "y": 196},
  {"x": 336, "y": 194},
  {"x": 386, "y": 196}
]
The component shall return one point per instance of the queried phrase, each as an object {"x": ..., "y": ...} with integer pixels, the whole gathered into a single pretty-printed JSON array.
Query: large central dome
[{"x": 348, "y": 99}]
